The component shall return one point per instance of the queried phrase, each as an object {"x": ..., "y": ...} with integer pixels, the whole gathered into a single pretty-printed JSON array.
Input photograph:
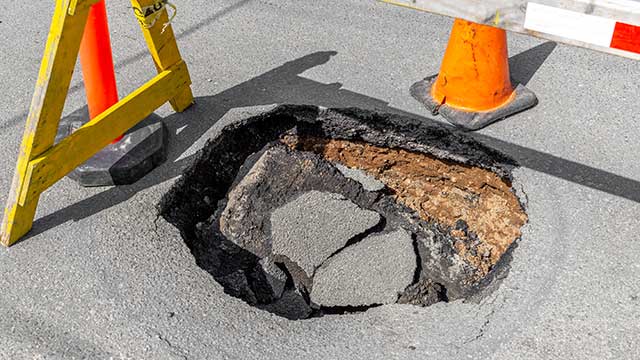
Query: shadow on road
[
  {"x": 524, "y": 66},
  {"x": 284, "y": 85}
]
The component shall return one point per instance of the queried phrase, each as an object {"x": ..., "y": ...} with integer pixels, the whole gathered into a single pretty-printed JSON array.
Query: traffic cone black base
[
  {"x": 141, "y": 150},
  {"x": 523, "y": 100}
]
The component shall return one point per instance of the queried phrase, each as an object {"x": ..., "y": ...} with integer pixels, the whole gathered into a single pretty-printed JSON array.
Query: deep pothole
[{"x": 303, "y": 211}]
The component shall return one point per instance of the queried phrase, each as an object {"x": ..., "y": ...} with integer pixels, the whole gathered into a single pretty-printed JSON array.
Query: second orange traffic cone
[{"x": 473, "y": 88}]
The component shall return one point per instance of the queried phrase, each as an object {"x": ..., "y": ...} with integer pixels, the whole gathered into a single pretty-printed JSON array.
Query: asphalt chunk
[
  {"x": 367, "y": 181},
  {"x": 315, "y": 225},
  {"x": 373, "y": 271}
]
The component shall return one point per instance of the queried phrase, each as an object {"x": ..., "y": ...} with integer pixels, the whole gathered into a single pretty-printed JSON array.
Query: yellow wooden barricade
[{"x": 40, "y": 163}]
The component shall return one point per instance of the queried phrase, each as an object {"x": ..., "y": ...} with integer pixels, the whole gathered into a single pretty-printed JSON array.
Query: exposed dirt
[
  {"x": 476, "y": 205},
  {"x": 450, "y": 192}
]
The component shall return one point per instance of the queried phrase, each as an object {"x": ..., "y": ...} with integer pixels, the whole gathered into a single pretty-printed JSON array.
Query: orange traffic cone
[
  {"x": 97, "y": 63},
  {"x": 473, "y": 88}
]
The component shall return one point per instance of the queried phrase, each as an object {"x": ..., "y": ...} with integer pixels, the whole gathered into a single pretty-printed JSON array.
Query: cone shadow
[{"x": 526, "y": 64}]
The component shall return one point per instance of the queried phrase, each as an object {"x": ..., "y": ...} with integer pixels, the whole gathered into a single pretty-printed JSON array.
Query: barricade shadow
[{"x": 285, "y": 85}]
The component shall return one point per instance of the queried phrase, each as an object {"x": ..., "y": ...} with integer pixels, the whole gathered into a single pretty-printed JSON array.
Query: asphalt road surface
[{"x": 101, "y": 277}]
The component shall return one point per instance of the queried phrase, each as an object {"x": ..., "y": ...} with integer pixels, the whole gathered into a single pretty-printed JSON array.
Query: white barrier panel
[{"x": 611, "y": 26}]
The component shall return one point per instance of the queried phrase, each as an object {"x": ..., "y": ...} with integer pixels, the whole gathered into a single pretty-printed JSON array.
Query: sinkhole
[{"x": 305, "y": 211}]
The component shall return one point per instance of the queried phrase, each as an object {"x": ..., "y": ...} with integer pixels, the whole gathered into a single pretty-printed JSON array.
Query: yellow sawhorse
[{"x": 40, "y": 163}]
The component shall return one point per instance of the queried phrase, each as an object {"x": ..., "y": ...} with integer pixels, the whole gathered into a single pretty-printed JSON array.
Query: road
[{"x": 100, "y": 276}]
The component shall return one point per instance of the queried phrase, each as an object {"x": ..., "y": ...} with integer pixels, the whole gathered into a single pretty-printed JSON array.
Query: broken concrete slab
[
  {"x": 214, "y": 170},
  {"x": 270, "y": 180},
  {"x": 368, "y": 182},
  {"x": 310, "y": 228},
  {"x": 237, "y": 219},
  {"x": 375, "y": 270},
  {"x": 239, "y": 181}
]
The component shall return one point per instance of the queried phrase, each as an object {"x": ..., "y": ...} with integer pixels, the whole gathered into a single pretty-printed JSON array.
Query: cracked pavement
[{"x": 99, "y": 278}]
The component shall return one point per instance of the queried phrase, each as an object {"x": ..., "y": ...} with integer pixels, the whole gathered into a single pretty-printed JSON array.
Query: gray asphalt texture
[
  {"x": 372, "y": 271},
  {"x": 101, "y": 277},
  {"x": 309, "y": 229}
]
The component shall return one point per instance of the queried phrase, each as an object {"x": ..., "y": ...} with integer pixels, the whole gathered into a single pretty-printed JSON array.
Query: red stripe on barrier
[{"x": 626, "y": 37}]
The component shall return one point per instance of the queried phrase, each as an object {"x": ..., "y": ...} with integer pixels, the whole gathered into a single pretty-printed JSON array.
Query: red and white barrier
[
  {"x": 611, "y": 26},
  {"x": 581, "y": 27}
]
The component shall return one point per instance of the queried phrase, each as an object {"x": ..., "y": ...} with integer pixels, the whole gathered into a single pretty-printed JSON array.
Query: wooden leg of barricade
[
  {"x": 162, "y": 45},
  {"x": 40, "y": 163},
  {"x": 47, "y": 105}
]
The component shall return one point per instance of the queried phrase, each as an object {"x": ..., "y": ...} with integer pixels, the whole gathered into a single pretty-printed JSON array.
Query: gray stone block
[
  {"x": 367, "y": 181},
  {"x": 311, "y": 228},
  {"x": 218, "y": 190},
  {"x": 270, "y": 179},
  {"x": 374, "y": 271}
]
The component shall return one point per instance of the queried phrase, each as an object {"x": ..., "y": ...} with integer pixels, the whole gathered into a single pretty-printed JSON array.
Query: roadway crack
[
  {"x": 174, "y": 349},
  {"x": 488, "y": 317}
]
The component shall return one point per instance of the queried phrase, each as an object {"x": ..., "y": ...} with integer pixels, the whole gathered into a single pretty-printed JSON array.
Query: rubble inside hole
[
  {"x": 485, "y": 216},
  {"x": 303, "y": 211}
]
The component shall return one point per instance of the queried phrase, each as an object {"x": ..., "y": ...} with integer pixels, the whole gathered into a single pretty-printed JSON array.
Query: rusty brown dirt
[{"x": 439, "y": 191}]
